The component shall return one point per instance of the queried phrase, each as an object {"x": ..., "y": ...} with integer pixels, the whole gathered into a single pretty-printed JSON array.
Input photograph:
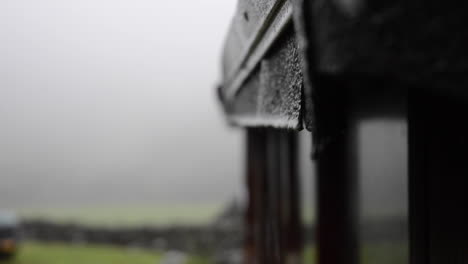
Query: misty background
[{"x": 113, "y": 102}]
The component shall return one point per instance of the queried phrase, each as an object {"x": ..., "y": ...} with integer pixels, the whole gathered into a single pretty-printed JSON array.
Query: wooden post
[
  {"x": 337, "y": 230},
  {"x": 438, "y": 147},
  {"x": 255, "y": 178},
  {"x": 273, "y": 225}
]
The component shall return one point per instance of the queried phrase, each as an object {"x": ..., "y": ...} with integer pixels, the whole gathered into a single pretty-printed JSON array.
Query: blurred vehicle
[{"x": 9, "y": 232}]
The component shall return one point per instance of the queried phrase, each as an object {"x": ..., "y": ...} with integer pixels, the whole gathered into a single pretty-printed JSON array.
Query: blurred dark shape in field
[{"x": 9, "y": 235}]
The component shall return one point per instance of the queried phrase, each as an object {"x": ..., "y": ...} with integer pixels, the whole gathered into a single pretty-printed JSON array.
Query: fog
[{"x": 113, "y": 101}]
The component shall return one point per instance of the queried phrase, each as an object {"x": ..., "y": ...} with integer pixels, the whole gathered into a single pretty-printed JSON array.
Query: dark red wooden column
[
  {"x": 272, "y": 220},
  {"x": 255, "y": 179}
]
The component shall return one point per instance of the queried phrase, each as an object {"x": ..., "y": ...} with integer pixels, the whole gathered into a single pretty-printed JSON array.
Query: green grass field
[
  {"x": 36, "y": 253},
  {"x": 43, "y": 253},
  {"x": 127, "y": 215}
]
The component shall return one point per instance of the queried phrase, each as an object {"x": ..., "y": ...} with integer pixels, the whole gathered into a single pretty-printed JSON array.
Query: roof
[
  {"x": 262, "y": 77},
  {"x": 277, "y": 53}
]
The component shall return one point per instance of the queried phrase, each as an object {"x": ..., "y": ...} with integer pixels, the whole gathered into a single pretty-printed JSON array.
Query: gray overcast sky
[{"x": 107, "y": 101}]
